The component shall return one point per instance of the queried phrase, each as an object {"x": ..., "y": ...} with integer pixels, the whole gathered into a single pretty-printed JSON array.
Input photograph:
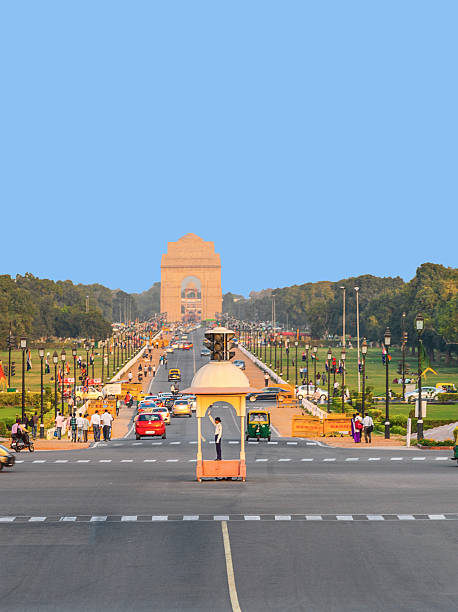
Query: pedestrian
[
  {"x": 70, "y": 404},
  {"x": 356, "y": 427},
  {"x": 129, "y": 376},
  {"x": 73, "y": 427},
  {"x": 117, "y": 407},
  {"x": 266, "y": 380},
  {"x": 67, "y": 427},
  {"x": 218, "y": 434},
  {"x": 150, "y": 370},
  {"x": 106, "y": 420},
  {"x": 154, "y": 370},
  {"x": 59, "y": 423},
  {"x": 95, "y": 423},
  {"x": 25, "y": 421},
  {"x": 368, "y": 425},
  {"x": 85, "y": 427},
  {"x": 79, "y": 427},
  {"x": 34, "y": 424}
]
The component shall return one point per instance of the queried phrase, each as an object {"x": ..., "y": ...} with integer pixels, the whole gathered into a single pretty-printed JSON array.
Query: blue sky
[{"x": 309, "y": 140}]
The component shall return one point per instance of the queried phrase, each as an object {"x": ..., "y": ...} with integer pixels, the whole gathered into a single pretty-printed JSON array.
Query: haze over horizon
[{"x": 309, "y": 142}]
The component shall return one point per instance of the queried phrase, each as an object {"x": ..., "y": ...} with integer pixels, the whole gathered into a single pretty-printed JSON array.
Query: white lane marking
[
  {"x": 271, "y": 441},
  {"x": 61, "y": 461},
  {"x": 39, "y": 461},
  {"x": 160, "y": 518},
  {"x": 221, "y": 517},
  {"x": 20, "y": 461},
  {"x": 418, "y": 458},
  {"x": 105, "y": 460},
  {"x": 374, "y": 459},
  {"x": 156, "y": 443},
  {"x": 396, "y": 458},
  {"x": 262, "y": 460},
  {"x": 375, "y": 517},
  {"x": 253, "y": 442},
  {"x": 285, "y": 459},
  {"x": 133, "y": 444},
  {"x": 190, "y": 517},
  {"x": 95, "y": 444},
  {"x": 37, "y": 519},
  {"x": 436, "y": 458},
  {"x": 329, "y": 459},
  {"x": 172, "y": 460},
  {"x": 276, "y": 432},
  {"x": 291, "y": 443},
  {"x": 352, "y": 459},
  {"x": 311, "y": 443},
  {"x": 193, "y": 442},
  {"x": 282, "y": 517},
  {"x": 129, "y": 431},
  {"x": 252, "y": 517},
  {"x": 234, "y": 442},
  {"x": 344, "y": 517},
  {"x": 313, "y": 517},
  {"x": 98, "y": 519},
  {"x": 174, "y": 442},
  {"x": 230, "y": 569},
  {"x": 127, "y": 518},
  {"x": 83, "y": 461},
  {"x": 192, "y": 460},
  {"x": 127, "y": 460},
  {"x": 68, "y": 519},
  {"x": 7, "y": 519},
  {"x": 405, "y": 517},
  {"x": 149, "y": 460},
  {"x": 437, "y": 517},
  {"x": 307, "y": 459},
  {"x": 118, "y": 444}
]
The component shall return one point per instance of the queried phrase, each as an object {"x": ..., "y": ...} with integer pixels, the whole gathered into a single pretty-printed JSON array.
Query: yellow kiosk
[{"x": 220, "y": 381}]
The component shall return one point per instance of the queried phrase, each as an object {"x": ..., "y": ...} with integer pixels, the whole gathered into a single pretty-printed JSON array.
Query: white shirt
[
  {"x": 95, "y": 419},
  {"x": 60, "y": 420},
  {"x": 218, "y": 431},
  {"x": 79, "y": 422},
  {"x": 367, "y": 421},
  {"x": 106, "y": 418}
]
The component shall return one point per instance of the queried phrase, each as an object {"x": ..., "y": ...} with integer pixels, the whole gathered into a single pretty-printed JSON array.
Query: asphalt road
[{"x": 125, "y": 526}]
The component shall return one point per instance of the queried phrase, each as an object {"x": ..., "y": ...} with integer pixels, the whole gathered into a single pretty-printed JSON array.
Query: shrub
[
  {"x": 427, "y": 442},
  {"x": 447, "y": 397},
  {"x": 375, "y": 413},
  {"x": 3, "y": 429},
  {"x": 396, "y": 429},
  {"x": 455, "y": 433}
]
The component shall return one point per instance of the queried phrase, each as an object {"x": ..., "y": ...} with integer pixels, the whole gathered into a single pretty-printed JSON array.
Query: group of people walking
[
  {"x": 360, "y": 425},
  {"x": 77, "y": 426}
]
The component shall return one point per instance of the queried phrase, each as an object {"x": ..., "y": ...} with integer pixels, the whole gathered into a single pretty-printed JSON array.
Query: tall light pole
[
  {"x": 295, "y": 361},
  {"x": 24, "y": 348},
  {"x": 276, "y": 336},
  {"x": 357, "y": 335},
  {"x": 419, "y": 324},
  {"x": 103, "y": 356},
  {"x": 329, "y": 378},
  {"x": 307, "y": 347},
  {"x": 74, "y": 351},
  {"x": 281, "y": 356},
  {"x": 315, "y": 351},
  {"x": 63, "y": 356},
  {"x": 92, "y": 357},
  {"x": 403, "y": 349},
  {"x": 287, "y": 360},
  {"x": 364, "y": 352},
  {"x": 387, "y": 383},
  {"x": 343, "y": 356},
  {"x": 55, "y": 359},
  {"x": 41, "y": 352},
  {"x": 343, "y": 318}
]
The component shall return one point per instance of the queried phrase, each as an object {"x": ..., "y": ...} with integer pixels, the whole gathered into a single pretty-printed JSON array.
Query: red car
[{"x": 148, "y": 424}]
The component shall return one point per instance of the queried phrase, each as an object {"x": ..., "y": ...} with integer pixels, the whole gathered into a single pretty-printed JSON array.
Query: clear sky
[{"x": 310, "y": 140}]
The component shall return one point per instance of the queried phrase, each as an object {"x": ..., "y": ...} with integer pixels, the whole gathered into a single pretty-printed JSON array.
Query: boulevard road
[{"x": 125, "y": 526}]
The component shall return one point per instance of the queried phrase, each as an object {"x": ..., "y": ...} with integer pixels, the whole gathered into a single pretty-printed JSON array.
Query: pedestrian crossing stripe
[{"x": 136, "y": 518}]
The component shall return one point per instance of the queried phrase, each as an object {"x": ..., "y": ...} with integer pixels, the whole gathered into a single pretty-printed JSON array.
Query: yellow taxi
[
  {"x": 174, "y": 374},
  {"x": 182, "y": 407}
]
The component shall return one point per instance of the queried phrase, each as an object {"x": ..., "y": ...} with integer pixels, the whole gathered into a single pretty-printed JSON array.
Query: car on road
[
  {"x": 270, "y": 394},
  {"x": 239, "y": 363},
  {"x": 191, "y": 399},
  {"x": 426, "y": 393},
  {"x": 301, "y": 393},
  {"x": 174, "y": 374},
  {"x": 169, "y": 349},
  {"x": 82, "y": 393},
  {"x": 150, "y": 424},
  {"x": 164, "y": 412},
  {"x": 182, "y": 407},
  {"x": 205, "y": 352},
  {"x": 187, "y": 346},
  {"x": 145, "y": 406},
  {"x": 7, "y": 458}
]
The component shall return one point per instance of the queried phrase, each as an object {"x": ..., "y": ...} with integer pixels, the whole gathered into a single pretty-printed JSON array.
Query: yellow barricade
[
  {"x": 133, "y": 388},
  {"x": 100, "y": 405},
  {"x": 335, "y": 424},
  {"x": 306, "y": 427}
]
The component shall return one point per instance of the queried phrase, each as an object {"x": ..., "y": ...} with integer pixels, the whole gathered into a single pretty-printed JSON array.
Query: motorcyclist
[{"x": 19, "y": 432}]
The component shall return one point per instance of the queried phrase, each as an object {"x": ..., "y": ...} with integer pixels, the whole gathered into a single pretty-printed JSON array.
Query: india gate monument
[{"x": 191, "y": 280}]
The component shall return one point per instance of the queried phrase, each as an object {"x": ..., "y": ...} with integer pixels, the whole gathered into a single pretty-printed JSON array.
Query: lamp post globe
[
  {"x": 363, "y": 399},
  {"x": 419, "y": 325}
]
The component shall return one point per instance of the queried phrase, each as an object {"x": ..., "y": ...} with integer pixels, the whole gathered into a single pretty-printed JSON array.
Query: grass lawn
[
  {"x": 433, "y": 411},
  {"x": 375, "y": 370}
]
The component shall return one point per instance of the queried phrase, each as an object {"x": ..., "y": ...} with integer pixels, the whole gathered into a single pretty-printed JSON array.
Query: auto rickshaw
[
  {"x": 258, "y": 425},
  {"x": 6, "y": 457}
]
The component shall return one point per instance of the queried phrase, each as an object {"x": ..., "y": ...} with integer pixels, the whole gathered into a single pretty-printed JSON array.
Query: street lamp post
[
  {"x": 281, "y": 356},
  {"x": 276, "y": 335},
  {"x": 343, "y": 356},
  {"x": 329, "y": 378},
  {"x": 419, "y": 324},
  {"x": 92, "y": 357},
  {"x": 103, "y": 358},
  {"x": 287, "y": 360},
  {"x": 86, "y": 346},
  {"x": 74, "y": 351},
  {"x": 357, "y": 335},
  {"x": 364, "y": 352},
  {"x": 315, "y": 350},
  {"x": 403, "y": 348},
  {"x": 108, "y": 358},
  {"x": 295, "y": 362},
  {"x": 265, "y": 348},
  {"x": 387, "y": 383},
  {"x": 24, "y": 348},
  {"x": 307, "y": 346},
  {"x": 55, "y": 359},
  {"x": 63, "y": 357},
  {"x": 270, "y": 351},
  {"x": 41, "y": 352}
]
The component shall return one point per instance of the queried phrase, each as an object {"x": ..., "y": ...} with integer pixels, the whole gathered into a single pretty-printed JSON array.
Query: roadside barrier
[{"x": 306, "y": 427}]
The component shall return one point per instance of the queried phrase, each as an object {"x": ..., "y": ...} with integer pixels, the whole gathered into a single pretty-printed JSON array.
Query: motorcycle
[{"x": 20, "y": 443}]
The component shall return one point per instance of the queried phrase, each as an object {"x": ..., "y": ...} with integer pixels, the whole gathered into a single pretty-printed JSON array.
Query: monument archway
[{"x": 191, "y": 280}]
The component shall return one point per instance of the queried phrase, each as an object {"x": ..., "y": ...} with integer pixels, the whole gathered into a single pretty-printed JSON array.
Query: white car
[
  {"x": 301, "y": 392},
  {"x": 192, "y": 400},
  {"x": 426, "y": 393}
]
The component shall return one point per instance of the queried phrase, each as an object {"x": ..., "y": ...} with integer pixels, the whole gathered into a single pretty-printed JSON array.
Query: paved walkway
[{"x": 444, "y": 432}]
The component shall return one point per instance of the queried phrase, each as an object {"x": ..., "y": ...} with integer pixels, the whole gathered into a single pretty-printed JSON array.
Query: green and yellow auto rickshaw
[{"x": 258, "y": 425}]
